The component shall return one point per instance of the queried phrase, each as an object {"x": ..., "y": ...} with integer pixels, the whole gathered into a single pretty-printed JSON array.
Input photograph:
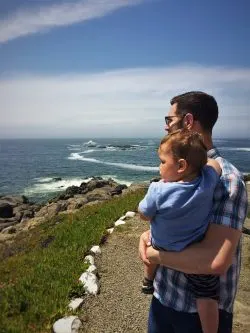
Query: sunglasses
[{"x": 168, "y": 119}]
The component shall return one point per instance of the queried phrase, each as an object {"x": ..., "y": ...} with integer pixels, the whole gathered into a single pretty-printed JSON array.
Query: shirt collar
[{"x": 213, "y": 153}]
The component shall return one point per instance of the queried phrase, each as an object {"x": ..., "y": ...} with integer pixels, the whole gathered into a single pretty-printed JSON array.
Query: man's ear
[
  {"x": 188, "y": 121},
  {"x": 182, "y": 165}
]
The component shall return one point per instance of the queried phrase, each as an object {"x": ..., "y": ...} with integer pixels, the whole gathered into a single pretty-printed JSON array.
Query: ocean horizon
[{"x": 41, "y": 168}]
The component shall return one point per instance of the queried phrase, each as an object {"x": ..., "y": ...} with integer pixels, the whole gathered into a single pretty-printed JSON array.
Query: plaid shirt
[{"x": 229, "y": 209}]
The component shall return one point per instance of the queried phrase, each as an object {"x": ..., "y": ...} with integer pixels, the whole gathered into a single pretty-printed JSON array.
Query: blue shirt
[
  {"x": 179, "y": 211},
  {"x": 229, "y": 209}
]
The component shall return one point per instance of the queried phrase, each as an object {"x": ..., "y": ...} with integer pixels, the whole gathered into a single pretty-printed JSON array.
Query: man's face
[{"x": 173, "y": 121}]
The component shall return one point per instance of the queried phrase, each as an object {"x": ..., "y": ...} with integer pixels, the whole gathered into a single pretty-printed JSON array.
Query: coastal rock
[
  {"x": 9, "y": 230},
  {"x": 6, "y": 210},
  {"x": 118, "y": 189},
  {"x": 98, "y": 195},
  {"x": 72, "y": 190},
  {"x": 15, "y": 200},
  {"x": 7, "y": 224},
  {"x": 52, "y": 209},
  {"x": 20, "y": 210},
  {"x": 76, "y": 202},
  {"x": 97, "y": 183}
]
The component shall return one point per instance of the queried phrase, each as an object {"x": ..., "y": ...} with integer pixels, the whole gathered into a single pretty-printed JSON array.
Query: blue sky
[{"x": 101, "y": 68}]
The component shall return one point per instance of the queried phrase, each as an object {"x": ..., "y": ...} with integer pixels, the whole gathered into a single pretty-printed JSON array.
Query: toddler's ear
[{"x": 182, "y": 165}]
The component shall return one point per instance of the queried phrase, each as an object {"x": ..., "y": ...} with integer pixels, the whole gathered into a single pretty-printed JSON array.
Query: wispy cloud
[
  {"x": 41, "y": 19},
  {"x": 128, "y": 102}
]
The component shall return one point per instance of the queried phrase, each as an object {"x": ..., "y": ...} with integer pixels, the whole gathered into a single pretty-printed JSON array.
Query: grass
[{"x": 37, "y": 281}]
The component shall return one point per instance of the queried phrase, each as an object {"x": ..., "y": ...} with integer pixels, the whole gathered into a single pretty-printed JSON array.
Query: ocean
[{"x": 41, "y": 168}]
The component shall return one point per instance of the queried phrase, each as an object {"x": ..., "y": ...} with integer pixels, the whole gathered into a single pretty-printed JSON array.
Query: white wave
[
  {"x": 235, "y": 149},
  {"x": 76, "y": 156},
  {"x": 43, "y": 179},
  {"x": 88, "y": 151},
  {"x": 56, "y": 186},
  {"x": 111, "y": 148},
  {"x": 119, "y": 181},
  {"x": 90, "y": 143}
]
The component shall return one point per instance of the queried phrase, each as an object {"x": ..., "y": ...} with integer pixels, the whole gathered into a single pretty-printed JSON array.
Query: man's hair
[
  {"x": 202, "y": 106},
  {"x": 187, "y": 145}
]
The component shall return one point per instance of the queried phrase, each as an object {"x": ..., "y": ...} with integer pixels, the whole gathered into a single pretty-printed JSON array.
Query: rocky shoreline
[{"x": 17, "y": 213}]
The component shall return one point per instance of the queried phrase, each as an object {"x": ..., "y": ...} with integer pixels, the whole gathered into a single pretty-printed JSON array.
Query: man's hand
[
  {"x": 144, "y": 243},
  {"x": 153, "y": 256},
  {"x": 213, "y": 255}
]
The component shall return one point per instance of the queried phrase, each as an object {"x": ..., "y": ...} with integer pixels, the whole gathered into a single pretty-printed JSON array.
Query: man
[{"x": 173, "y": 308}]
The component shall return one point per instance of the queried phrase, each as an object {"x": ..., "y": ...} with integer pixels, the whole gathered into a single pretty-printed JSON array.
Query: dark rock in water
[
  {"x": 97, "y": 178},
  {"x": 118, "y": 189},
  {"x": 72, "y": 190},
  {"x": 57, "y": 179},
  {"x": 6, "y": 210}
]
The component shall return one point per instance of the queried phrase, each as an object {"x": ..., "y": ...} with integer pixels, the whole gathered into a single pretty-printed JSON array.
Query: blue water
[{"x": 29, "y": 166}]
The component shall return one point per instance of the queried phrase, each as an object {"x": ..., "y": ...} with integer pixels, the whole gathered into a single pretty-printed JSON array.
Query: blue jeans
[{"x": 163, "y": 319}]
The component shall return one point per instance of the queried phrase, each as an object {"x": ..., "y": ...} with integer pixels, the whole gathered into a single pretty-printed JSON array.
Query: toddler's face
[{"x": 168, "y": 166}]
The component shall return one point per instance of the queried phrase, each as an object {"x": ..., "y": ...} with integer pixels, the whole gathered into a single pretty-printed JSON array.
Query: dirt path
[{"x": 120, "y": 306}]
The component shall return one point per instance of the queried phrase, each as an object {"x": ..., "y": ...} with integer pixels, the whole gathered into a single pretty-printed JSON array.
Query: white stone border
[{"x": 72, "y": 324}]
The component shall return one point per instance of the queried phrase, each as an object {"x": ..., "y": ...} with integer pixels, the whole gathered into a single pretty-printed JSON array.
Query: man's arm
[{"x": 213, "y": 255}]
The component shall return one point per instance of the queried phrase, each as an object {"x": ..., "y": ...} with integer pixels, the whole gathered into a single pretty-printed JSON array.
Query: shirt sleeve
[
  {"x": 148, "y": 205},
  {"x": 213, "y": 176},
  {"x": 230, "y": 202}
]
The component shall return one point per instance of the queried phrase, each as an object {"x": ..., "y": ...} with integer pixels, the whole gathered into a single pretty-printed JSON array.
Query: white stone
[
  {"x": 92, "y": 269},
  {"x": 69, "y": 324},
  {"x": 129, "y": 214},
  {"x": 89, "y": 260},
  {"x": 75, "y": 303},
  {"x": 96, "y": 249},
  {"x": 122, "y": 217},
  {"x": 119, "y": 222},
  {"x": 90, "y": 282},
  {"x": 110, "y": 230}
]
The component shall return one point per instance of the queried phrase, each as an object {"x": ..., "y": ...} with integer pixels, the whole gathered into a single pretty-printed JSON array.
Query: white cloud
[
  {"x": 41, "y": 19},
  {"x": 128, "y": 102}
]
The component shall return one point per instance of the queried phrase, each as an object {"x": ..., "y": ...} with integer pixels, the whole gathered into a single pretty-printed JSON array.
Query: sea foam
[{"x": 76, "y": 156}]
